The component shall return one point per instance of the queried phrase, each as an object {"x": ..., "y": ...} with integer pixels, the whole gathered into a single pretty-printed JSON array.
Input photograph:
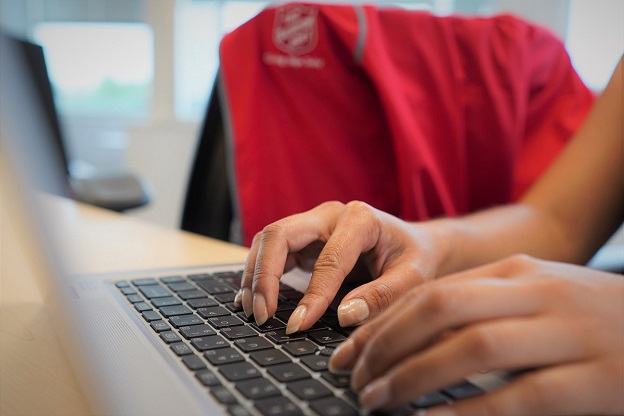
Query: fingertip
[
  {"x": 260, "y": 309},
  {"x": 353, "y": 312},
  {"x": 296, "y": 319}
]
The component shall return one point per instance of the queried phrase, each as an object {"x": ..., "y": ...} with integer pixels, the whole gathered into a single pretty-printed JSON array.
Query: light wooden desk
[{"x": 35, "y": 377}]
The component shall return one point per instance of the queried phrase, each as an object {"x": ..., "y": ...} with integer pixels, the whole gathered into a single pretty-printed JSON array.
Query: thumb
[{"x": 369, "y": 300}]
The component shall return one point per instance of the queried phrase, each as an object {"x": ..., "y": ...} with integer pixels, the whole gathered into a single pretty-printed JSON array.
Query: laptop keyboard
[{"x": 253, "y": 369}]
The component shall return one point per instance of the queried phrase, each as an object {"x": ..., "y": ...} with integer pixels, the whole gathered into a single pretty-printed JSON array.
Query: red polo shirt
[{"x": 418, "y": 115}]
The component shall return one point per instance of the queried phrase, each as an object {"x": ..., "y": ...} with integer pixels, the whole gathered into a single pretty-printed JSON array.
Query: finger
[
  {"x": 369, "y": 300},
  {"x": 276, "y": 241},
  {"x": 356, "y": 231},
  {"x": 429, "y": 310},
  {"x": 512, "y": 266},
  {"x": 504, "y": 344},
  {"x": 573, "y": 389},
  {"x": 244, "y": 294}
]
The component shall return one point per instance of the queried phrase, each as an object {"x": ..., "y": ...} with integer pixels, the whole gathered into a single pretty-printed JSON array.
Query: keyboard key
[
  {"x": 326, "y": 336},
  {"x": 181, "y": 348},
  {"x": 284, "y": 315},
  {"x": 257, "y": 388},
  {"x": 170, "y": 336},
  {"x": 122, "y": 283},
  {"x": 309, "y": 389},
  {"x": 181, "y": 286},
  {"x": 167, "y": 301},
  {"x": 142, "y": 306},
  {"x": 169, "y": 311},
  {"x": 269, "y": 357},
  {"x": 214, "y": 287},
  {"x": 172, "y": 279},
  {"x": 333, "y": 406},
  {"x": 237, "y": 410},
  {"x": 192, "y": 294},
  {"x": 252, "y": 344},
  {"x": 235, "y": 332},
  {"x": 226, "y": 297},
  {"x": 150, "y": 316},
  {"x": 279, "y": 336},
  {"x": 207, "y": 378},
  {"x": 185, "y": 320},
  {"x": 462, "y": 390},
  {"x": 277, "y": 406},
  {"x": 195, "y": 331},
  {"x": 145, "y": 281},
  {"x": 134, "y": 298},
  {"x": 288, "y": 372},
  {"x": 315, "y": 362},
  {"x": 209, "y": 343},
  {"x": 154, "y": 291},
  {"x": 128, "y": 291},
  {"x": 193, "y": 362},
  {"x": 299, "y": 348},
  {"x": 223, "y": 395},
  {"x": 160, "y": 326},
  {"x": 223, "y": 356},
  {"x": 202, "y": 302},
  {"x": 212, "y": 311},
  {"x": 224, "y": 321},
  {"x": 270, "y": 325},
  {"x": 336, "y": 380},
  {"x": 239, "y": 371}
]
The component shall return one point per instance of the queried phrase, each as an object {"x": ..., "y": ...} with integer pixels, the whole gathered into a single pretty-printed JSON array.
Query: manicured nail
[
  {"x": 343, "y": 357},
  {"x": 296, "y": 318},
  {"x": 259, "y": 309},
  {"x": 247, "y": 302},
  {"x": 376, "y": 395},
  {"x": 353, "y": 312},
  {"x": 238, "y": 298}
]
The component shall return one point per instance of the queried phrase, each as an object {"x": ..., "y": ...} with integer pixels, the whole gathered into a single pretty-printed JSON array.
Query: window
[{"x": 99, "y": 69}]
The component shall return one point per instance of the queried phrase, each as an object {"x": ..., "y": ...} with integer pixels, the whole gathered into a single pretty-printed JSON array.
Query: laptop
[{"x": 165, "y": 342}]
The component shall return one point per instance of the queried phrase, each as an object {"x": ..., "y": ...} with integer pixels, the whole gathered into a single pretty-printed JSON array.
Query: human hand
[
  {"x": 330, "y": 240},
  {"x": 565, "y": 322}
]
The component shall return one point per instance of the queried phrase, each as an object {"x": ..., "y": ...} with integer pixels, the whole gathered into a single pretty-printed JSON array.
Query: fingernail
[
  {"x": 259, "y": 309},
  {"x": 376, "y": 395},
  {"x": 247, "y": 302},
  {"x": 353, "y": 312},
  {"x": 238, "y": 298},
  {"x": 343, "y": 357},
  {"x": 296, "y": 319}
]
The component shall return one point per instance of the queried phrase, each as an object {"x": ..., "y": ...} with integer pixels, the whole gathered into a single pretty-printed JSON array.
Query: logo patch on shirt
[{"x": 294, "y": 29}]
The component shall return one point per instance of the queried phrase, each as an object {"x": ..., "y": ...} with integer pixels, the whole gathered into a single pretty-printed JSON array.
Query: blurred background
[{"x": 131, "y": 78}]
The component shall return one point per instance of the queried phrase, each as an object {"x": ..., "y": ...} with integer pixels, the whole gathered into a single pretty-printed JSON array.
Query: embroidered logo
[{"x": 294, "y": 29}]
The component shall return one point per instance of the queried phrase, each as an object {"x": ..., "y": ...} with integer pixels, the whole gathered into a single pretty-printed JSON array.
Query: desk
[{"x": 35, "y": 377}]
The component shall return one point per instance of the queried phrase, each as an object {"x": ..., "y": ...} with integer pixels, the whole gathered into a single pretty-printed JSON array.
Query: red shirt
[{"x": 417, "y": 115}]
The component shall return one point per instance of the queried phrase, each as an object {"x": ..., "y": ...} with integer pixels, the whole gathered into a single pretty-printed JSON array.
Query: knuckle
[
  {"x": 518, "y": 262},
  {"x": 315, "y": 294},
  {"x": 381, "y": 297},
  {"x": 483, "y": 345},
  {"x": 437, "y": 301},
  {"x": 329, "y": 261},
  {"x": 272, "y": 231}
]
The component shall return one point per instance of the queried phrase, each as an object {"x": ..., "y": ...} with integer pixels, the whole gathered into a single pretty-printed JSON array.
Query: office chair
[
  {"x": 341, "y": 102},
  {"x": 115, "y": 191}
]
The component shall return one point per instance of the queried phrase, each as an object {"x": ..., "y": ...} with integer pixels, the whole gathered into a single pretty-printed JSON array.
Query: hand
[
  {"x": 565, "y": 322},
  {"x": 331, "y": 240}
]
